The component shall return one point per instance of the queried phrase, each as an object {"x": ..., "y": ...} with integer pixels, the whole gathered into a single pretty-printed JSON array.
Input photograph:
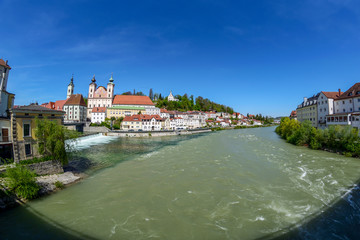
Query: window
[
  {"x": 350, "y": 109},
  {"x": 26, "y": 130},
  {"x": 40, "y": 115},
  {"x": 26, "y": 114},
  {"x": 27, "y": 149},
  {"x": 343, "y": 109},
  {"x": 350, "y": 101}
]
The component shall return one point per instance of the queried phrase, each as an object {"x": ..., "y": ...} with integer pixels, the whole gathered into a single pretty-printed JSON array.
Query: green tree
[
  {"x": 51, "y": 139},
  {"x": 151, "y": 94}
]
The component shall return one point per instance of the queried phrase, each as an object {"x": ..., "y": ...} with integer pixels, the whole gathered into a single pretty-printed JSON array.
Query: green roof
[{"x": 126, "y": 108}]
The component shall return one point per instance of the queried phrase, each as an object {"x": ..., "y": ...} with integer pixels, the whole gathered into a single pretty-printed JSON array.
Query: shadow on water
[
  {"x": 34, "y": 225},
  {"x": 339, "y": 221}
]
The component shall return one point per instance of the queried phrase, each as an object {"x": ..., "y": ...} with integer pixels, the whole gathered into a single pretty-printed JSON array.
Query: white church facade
[{"x": 100, "y": 96}]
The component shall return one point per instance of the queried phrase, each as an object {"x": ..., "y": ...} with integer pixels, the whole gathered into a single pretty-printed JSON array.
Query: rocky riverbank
[{"x": 47, "y": 186}]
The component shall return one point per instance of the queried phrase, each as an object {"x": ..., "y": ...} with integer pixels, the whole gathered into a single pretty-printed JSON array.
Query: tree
[
  {"x": 51, "y": 139},
  {"x": 151, "y": 94}
]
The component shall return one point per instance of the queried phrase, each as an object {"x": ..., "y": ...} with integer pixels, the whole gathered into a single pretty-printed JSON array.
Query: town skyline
[{"x": 244, "y": 55}]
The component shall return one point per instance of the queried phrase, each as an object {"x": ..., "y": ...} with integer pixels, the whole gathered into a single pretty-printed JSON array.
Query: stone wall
[
  {"x": 44, "y": 168},
  {"x": 154, "y": 133},
  {"x": 96, "y": 129}
]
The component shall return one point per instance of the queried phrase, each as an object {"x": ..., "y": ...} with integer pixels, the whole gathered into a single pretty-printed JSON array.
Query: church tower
[
  {"x": 92, "y": 87},
  {"x": 110, "y": 87},
  {"x": 70, "y": 89}
]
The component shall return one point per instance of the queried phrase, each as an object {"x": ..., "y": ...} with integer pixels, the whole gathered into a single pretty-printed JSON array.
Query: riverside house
[
  {"x": 6, "y": 103},
  {"x": 23, "y": 129}
]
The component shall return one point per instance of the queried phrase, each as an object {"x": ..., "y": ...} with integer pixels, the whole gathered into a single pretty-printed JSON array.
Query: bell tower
[
  {"x": 110, "y": 87},
  {"x": 92, "y": 87},
  {"x": 70, "y": 89}
]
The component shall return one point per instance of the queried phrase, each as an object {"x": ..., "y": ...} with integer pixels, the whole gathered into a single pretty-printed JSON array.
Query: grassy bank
[{"x": 342, "y": 139}]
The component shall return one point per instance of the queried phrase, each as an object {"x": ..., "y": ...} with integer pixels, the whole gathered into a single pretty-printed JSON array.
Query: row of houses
[{"x": 332, "y": 108}]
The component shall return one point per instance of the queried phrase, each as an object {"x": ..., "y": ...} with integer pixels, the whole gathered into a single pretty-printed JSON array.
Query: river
[{"x": 238, "y": 184}]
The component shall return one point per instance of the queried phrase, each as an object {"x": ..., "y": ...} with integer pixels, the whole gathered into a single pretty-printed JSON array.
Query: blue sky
[{"x": 255, "y": 56}]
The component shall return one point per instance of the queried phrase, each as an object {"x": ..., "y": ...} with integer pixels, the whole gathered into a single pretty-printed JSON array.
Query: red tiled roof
[
  {"x": 75, "y": 99},
  {"x": 98, "y": 109},
  {"x": 4, "y": 64},
  {"x": 332, "y": 95},
  {"x": 163, "y": 110},
  {"x": 132, "y": 100},
  {"x": 141, "y": 117},
  {"x": 351, "y": 92},
  {"x": 133, "y": 118},
  {"x": 59, "y": 104}
]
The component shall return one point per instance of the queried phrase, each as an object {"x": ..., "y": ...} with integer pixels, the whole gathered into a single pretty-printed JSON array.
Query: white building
[
  {"x": 164, "y": 113},
  {"x": 98, "y": 114},
  {"x": 75, "y": 109},
  {"x": 100, "y": 96},
  {"x": 172, "y": 98},
  {"x": 346, "y": 108},
  {"x": 152, "y": 110},
  {"x": 326, "y": 106}
]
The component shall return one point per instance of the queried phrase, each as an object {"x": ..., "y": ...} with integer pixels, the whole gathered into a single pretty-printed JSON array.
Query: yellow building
[
  {"x": 123, "y": 111},
  {"x": 308, "y": 110},
  {"x": 23, "y": 128}
]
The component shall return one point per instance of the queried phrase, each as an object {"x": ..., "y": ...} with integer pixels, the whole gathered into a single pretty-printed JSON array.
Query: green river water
[{"x": 239, "y": 184}]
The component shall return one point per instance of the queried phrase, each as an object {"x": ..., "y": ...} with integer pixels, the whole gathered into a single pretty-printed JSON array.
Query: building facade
[
  {"x": 98, "y": 114},
  {"x": 346, "y": 108},
  {"x": 100, "y": 96},
  {"x": 326, "y": 106},
  {"x": 308, "y": 110},
  {"x": 75, "y": 109},
  {"x": 172, "y": 98},
  {"x": 6, "y": 103},
  {"x": 23, "y": 126}
]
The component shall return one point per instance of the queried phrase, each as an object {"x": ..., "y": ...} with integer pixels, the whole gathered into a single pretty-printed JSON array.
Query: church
[{"x": 100, "y": 96}]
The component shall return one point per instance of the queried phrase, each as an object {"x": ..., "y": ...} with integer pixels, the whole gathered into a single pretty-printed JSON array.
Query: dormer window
[
  {"x": 358, "y": 92},
  {"x": 350, "y": 94}
]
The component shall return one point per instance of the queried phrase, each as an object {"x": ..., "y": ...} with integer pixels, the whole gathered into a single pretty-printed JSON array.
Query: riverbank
[
  {"x": 336, "y": 139},
  {"x": 48, "y": 184}
]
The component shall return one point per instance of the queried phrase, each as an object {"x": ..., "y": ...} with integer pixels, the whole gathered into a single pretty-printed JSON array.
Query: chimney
[{"x": 339, "y": 92}]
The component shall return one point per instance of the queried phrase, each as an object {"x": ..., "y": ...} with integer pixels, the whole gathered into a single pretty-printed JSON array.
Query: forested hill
[{"x": 186, "y": 103}]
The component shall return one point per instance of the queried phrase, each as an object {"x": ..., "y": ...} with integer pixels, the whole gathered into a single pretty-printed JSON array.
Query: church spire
[
  {"x": 70, "y": 90},
  {"x": 111, "y": 78},
  {"x": 93, "y": 79}
]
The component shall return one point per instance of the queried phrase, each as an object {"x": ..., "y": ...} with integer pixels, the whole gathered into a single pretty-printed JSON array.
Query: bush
[
  {"x": 6, "y": 160},
  {"x": 337, "y": 138},
  {"x": 36, "y": 160},
  {"x": 59, "y": 185},
  {"x": 22, "y": 182}
]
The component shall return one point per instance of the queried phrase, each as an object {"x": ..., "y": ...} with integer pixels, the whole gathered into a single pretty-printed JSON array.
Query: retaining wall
[
  {"x": 154, "y": 133},
  {"x": 46, "y": 168}
]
